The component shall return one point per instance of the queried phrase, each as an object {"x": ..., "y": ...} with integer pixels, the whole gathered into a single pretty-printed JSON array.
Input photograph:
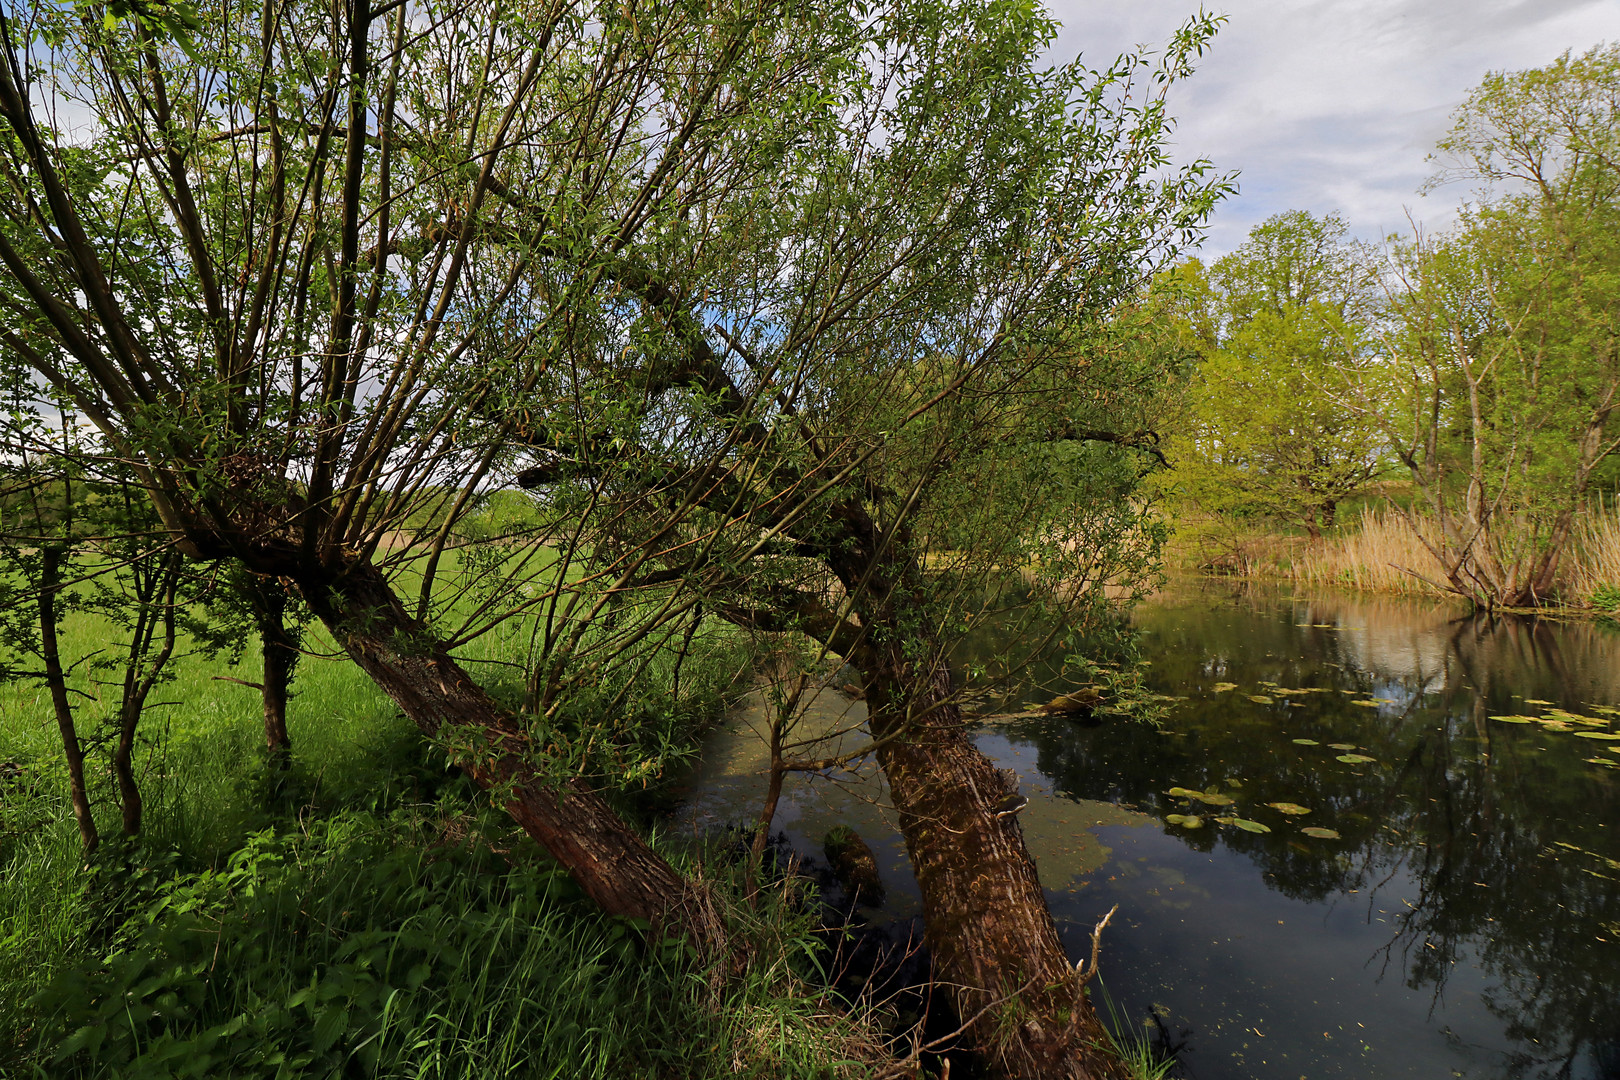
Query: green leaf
[
  {"x": 1260, "y": 699},
  {"x": 1289, "y": 808},
  {"x": 328, "y": 1026},
  {"x": 1355, "y": 759},
  {"x": 1186, "y": 821},
  {"x": 1320, "y": 833},
  {"x": 1244, "y": 824},
  {"x": 1515, "y": 719},
  {"x": 1306, "y": 742}
]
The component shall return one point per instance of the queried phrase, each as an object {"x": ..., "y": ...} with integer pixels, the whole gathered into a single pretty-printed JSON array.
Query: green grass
[
  {"x": 361, "y": 945},
  {"x": 366, "y": 914}
]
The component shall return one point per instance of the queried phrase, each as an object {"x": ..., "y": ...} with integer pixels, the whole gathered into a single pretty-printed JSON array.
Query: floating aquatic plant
[{"x": 1244, "y": 824}]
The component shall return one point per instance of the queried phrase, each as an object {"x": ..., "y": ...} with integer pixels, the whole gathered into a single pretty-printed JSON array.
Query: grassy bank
[{"x": 366, "y": 914}]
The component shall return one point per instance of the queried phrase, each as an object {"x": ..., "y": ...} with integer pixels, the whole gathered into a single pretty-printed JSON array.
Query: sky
[{"x": 1327, "y": 105}]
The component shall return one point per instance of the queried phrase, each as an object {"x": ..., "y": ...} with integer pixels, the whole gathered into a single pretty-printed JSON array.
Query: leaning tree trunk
[
  {"x": 985, "y": 917},
  {"x": 605, "y": 856}
]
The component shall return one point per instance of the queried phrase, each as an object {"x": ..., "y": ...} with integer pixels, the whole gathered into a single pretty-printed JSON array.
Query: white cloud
[{"x": 1334, "y": 105}]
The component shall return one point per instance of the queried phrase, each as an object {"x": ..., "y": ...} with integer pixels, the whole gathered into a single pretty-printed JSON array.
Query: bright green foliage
[
  {"x": 1267, "y": 432},
  {"x": 370, "y": 947},
  {"x": 1505, "y": 346}
]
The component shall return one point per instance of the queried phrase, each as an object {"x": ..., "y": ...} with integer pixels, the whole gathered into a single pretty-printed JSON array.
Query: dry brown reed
[
  {"x": 1595, "y": 567},
  {"x": 1380, "y": 552}
]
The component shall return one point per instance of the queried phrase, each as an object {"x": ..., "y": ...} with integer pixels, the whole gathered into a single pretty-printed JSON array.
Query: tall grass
[
  {"x": 1377, "y": 553},
  {"x": 359, "y": 945},
  {"x": 345, "y": 918},
  {"x": 1380, "y": 553},
  {"x": 1595, "y": 567}
]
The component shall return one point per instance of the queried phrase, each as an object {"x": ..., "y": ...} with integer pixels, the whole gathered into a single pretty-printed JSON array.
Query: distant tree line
[{"x": 1482, "y": 363}]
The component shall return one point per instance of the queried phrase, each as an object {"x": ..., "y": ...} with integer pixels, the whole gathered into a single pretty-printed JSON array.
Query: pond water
[{"x": 1461, "y": 915}]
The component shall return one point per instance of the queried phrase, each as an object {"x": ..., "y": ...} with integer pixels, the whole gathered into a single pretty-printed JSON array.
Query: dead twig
[{"x": 1084, "y": 973}]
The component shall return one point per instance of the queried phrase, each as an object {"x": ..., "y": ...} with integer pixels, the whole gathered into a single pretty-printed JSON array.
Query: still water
[{"x": 1458, "y": 911}]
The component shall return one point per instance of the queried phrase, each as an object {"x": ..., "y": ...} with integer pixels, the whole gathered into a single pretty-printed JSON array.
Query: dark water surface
[{"x": 1465, "y": 922}]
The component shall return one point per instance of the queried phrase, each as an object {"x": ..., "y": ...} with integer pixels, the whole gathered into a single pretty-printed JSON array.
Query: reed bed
[
  {"x": 1380, "y": 553},
  {"x": 1375, "y": 554},
  {"x": 1595, "y": 567}
]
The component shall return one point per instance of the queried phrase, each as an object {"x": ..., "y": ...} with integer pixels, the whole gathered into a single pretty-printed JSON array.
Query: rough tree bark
[
  {"x": 611, "y": 863},
  {"x": 985, "y": 916}
]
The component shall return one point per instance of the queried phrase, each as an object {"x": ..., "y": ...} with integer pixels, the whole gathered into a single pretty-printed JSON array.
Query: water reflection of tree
[{"x": 1508, "y": 844}]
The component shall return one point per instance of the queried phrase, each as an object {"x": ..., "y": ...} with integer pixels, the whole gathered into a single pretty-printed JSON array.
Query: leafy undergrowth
[{"x": 371, "y": 946}]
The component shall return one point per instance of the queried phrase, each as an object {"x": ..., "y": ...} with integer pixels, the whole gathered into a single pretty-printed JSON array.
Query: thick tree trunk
[
  {"x": 50, "y": 585},
  {"x": 610, "y": 862},
  {"x": 985, "y": 916}
]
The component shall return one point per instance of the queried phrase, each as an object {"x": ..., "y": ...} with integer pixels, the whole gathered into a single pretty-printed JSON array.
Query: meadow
[{"x": 366, "y": 912}]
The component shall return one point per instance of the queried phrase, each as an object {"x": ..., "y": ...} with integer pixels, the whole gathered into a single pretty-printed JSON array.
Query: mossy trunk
[{"x": 279, "y": 647}]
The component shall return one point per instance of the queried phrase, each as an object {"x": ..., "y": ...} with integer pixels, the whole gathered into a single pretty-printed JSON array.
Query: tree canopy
[
  {"x": 1268, "y": 433},
  {"x": 775, "y": 307},
  {"x": 1503, "y": 349}
]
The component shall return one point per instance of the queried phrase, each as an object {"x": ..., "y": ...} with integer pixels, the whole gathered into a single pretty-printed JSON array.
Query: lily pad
[
  {"x": 1606, "y": 736},
  {"x": 1289, "y": 807},
  {"x": 1368, "y": 704},
  {"x": 1341, "y": 746},
  {"x": 1223, "y": 687},
  {"x": 1260, "y": 699},
  {"x": 1554, "y": 725},
  {"x": 1515, "y": 719},
  {"x": 1186, "y": 821},
  {"x": 1244, "y": 824},
  {"x": 1210, "y": 797},
  {"x": 1320, "y": 833},
  {"x": 1306, "y": 742},
  {"x": 1355, "y": 759},
  {"x": 1536, "y": 701}
]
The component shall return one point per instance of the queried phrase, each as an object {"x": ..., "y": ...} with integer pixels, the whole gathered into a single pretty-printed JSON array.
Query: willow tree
[
  {"x": 1503, "y": 379},
  {"x": 759, "y": 296}
]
